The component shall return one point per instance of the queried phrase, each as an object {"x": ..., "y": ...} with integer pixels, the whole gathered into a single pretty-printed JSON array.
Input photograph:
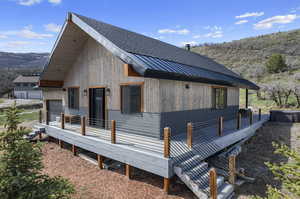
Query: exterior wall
[
  {"x": 51, "y": 94},
  {"x": 180, "y": 105},
  {"x": 28, "y": 94}
]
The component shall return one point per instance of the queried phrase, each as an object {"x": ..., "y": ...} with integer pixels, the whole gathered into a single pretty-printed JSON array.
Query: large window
[
  {"x": 219, "y": 98},
  {"x": 131, "y": 99},
  {"x": 73, "y": 98}
]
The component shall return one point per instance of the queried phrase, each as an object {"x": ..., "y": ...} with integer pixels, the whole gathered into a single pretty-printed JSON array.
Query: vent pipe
[{"x": 188, "y": 47}]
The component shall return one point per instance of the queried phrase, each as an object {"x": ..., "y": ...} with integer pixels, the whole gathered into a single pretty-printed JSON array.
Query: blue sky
[{"x": 33, "y": 25}]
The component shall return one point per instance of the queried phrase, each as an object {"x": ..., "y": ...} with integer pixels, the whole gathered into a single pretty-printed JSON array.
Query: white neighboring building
[{"x": 26, "y": 87}]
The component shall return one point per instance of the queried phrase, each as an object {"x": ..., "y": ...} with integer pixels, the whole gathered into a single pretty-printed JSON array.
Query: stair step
[
  {"x": 197, "y": 171},
  {"x": 206, "y": 188},
  {"x": 225, "y": 191},
  {"x": 191, "y": 162}
]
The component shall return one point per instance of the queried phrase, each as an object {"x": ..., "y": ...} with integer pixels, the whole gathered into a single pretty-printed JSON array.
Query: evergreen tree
[
  {"x": 276, "y": 64},
  {"x": 21, "y": 166}
]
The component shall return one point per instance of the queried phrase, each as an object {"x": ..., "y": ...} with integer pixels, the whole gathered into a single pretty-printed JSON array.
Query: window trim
[
  {"x": 141, "y": 84},
  {"x": 214, "y": 98},
  {"x": 78, "y": 97}
]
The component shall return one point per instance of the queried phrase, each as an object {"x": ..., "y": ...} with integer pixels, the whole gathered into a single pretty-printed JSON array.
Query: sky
[{"x": 34, "y": 25}]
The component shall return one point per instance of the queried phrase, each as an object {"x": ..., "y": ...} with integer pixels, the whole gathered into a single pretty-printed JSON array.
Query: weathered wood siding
[
  {"x": 174, "y": 96},
  {"x": 96, "y": 66}
]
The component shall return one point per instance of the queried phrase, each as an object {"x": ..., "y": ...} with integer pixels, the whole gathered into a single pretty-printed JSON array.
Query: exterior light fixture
[
  {"x": 85, "y": 92},
  {"x": 107, "y": 92}
]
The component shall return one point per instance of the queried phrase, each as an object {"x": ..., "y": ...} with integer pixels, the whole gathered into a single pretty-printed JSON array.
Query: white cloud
[
  {"x": 13, "y": 44},
  {"x": 55, "y": 2},
  {"x": 171, "y": 31},
  {"x": 52, "y": 27},
  {"x": 241, "y": 22},
  {"x": 215, "y": 34},
  {"x": 192, "y": 43},
  {"x": 29, "y": 2},
  {"x": 197, "y": 36},
  {"x": 269, "y": 22},
  {"x": 250, "y": 14},
  {"x": 26, "y": 32},
  {"x": 2, "y": 36}
]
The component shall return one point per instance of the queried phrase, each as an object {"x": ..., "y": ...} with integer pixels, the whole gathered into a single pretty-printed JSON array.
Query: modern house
[
  {"x": 112, "y": 91},
  {"x": 26, "y": 87}
]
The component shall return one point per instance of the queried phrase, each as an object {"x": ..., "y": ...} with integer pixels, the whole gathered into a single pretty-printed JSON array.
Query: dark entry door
[
  {"x": 54, "y": 109},
  {"x": 97, "y": 107}
]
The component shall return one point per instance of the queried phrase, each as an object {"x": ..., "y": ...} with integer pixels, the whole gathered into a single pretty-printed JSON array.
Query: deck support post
[
  {"x": 100, "y": 161},
  {"x": 250, "y": 117},
  {"x": 213, "y": 183},
  {"x": 166, "y": 185},
  {"x": 220, "y": 129},
  {"x": 62, "y": 120},
  {"x": 40, "y": 135},
  {"x": 167, "y": 134},
  {"x": 40, "y": 116},
  {"x": 128, "y": 170},
  {"x": 113, "y": 131},
  {"x": 83, "y": 125},
  {"x": 247, "y": 99},
  {"x": 232, "y": 169},
  {"x": 189, "y": 138},
  {"x": 60, "y": 143},
  {"x": 259, "y": 114},
  {"x": 74, "y": 150},
  {"x": 239, "y": 121}
]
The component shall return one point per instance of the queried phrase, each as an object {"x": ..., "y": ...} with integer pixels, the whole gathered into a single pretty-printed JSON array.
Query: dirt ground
[{"x": 259, "y": 150}]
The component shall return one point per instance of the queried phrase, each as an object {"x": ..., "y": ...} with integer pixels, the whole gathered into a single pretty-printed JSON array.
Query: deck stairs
[{"x": 194, "y": 172}]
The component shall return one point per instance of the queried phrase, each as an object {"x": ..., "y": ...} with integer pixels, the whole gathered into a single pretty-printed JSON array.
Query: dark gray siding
[
  {"x": 177, "y": 120},
  {"x": 142, "y": 123}
]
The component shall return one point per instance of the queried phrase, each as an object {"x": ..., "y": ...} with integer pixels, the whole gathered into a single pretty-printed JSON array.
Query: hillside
[
  {"x": 22, "y": 60},
  {"x": 248, "y": 56}
]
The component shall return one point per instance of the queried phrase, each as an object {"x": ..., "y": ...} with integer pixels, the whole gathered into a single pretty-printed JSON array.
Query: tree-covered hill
[{"x": 248, "y": 56}]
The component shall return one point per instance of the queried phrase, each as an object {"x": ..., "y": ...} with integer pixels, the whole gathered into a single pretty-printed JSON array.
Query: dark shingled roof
[{"x": 26, "y": 79}]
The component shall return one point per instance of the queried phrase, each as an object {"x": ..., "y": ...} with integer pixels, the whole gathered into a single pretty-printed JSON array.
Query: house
[
  {"x": 26, "y": 87},
  {"x": 123, "y": 87}
]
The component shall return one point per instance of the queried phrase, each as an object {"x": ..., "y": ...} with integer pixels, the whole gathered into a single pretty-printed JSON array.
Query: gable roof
[
  {"x": 26, "y": 79},
  {"x": 153, "y": 58}
]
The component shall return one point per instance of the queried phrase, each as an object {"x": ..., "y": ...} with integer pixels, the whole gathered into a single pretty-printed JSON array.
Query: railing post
[
  {"x": 239, "y": 121},
  {"x": 259, "y": 114},
  {"x": 113, "y": 132},
  {"x": 83, "y": 125},
  {"x": 232, "y": 169},
  {"x": 40, "y": 116},
  {"x": 213, "y": 183},
  {"x": 47, "y": 118},
  {"x": 189, "y": 138},
  {"x": 62, "y": 120},
  {"x": 250, "y": 117},
  {"x": 167, "y": 134},
  {"x": 220, "y": 129}
]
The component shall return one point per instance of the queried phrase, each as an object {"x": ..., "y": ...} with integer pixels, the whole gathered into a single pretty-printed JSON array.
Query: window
[
  {"x": 131, "y": 99},
  {"x": 33, "y": 84},
  {"x": 73, "y": 98},
  {"x": 219, "y": 97}
]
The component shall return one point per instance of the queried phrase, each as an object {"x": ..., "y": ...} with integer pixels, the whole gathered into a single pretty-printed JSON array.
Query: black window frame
[
  {"x": 219, "y": 97},
  {"x": 73, "y": 93},
  {"x": 129, "y": 108}
]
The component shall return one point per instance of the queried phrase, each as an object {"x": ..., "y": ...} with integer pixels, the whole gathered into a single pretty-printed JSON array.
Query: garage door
[{"x": 54, "y": 109}]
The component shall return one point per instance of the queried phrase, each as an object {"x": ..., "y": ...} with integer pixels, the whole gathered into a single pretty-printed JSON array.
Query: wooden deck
[{"x": 146, "y": 153}]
